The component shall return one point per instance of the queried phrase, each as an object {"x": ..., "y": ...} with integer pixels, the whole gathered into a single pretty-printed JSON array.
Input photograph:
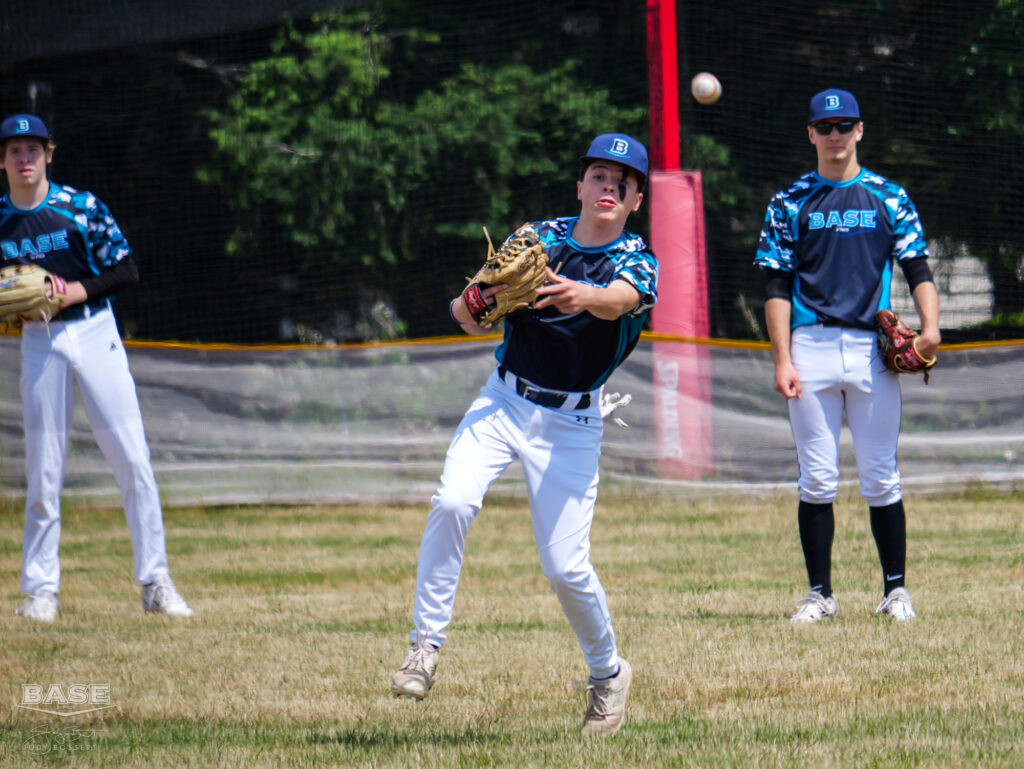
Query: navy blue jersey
[
  {"x": 71, "y": 234},
  {"x": 578, "y": 352},
  {"x": 840, "y": 240}
]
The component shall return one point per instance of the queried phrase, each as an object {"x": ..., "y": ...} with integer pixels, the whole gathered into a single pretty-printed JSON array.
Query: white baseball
[{"x": 705, "y": 88}]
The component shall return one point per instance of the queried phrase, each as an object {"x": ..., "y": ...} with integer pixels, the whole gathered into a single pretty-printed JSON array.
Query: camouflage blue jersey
[
  {"x": 840, "y": 239},
  {"x": 71, "y": 234},
  {"x": 578, "y": 352}
]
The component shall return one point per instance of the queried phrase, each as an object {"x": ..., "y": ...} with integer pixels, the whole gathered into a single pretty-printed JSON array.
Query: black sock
[
  {"x": 817, "y": 529},
  {"x": 889, "y": 527},
  {"x": 609, "y": 678}
]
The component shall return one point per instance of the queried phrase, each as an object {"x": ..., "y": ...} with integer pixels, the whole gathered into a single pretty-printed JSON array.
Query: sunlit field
[{"x": 303, "y": 614}]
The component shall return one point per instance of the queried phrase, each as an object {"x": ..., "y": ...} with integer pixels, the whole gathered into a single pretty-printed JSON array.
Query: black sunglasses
[{"x": 843, "y": 126}]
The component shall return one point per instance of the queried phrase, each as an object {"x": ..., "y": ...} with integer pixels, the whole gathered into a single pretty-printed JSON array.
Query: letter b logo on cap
[
  {"x": 22, "y": 126},
  {"x": 619, "y": 147}
]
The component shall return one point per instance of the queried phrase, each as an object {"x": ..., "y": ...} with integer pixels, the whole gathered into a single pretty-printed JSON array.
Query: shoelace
[
  {"x": 417, "y": 658},
  {"x": 889, "y": 602},
  {"x": 815, "y": 600},
  {"x": 165, "y": 594},
  {"x": 597, "y": 704}
]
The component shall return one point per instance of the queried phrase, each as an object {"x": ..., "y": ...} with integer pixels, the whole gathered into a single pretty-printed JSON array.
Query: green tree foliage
[
  {"x": 306, "y": 141},
  {"x": 989, "y": 129},
  {"x": 310, "y": 149}
]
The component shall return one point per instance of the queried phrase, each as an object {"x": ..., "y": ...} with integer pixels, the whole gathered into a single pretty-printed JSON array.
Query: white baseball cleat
[
  {"x": 42, "y": 607},
  {"x": 161, "y": 597},
  {"x": 815, "y": 607},
  {"x": 417, "y": 673},
  {"x": 607, "y": 708},
  {"x": 897, "y": 605}
]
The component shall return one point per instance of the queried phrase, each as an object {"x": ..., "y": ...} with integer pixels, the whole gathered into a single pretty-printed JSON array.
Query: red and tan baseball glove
[{"x": 897, "y": 344}]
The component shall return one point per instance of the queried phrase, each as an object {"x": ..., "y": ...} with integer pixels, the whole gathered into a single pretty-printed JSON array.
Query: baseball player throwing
[
  {"x": 827, "y": 248},
  {"x": 541, "y": 406},
  {"x": 71, "y": 234}
]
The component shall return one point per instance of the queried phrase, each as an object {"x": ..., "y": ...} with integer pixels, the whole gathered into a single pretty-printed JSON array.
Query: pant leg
[
  {"x": 48, "y": 397},
  {"x": 817, "y": 416},
  {"x": 560, "y": 461},
  {"x": 873, "y": 410},
  {"x": 111, "y": 402},
  {"x": 480, "y": 451}
]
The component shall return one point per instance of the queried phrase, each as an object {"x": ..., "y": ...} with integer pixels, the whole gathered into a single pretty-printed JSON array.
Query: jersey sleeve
[
  {"x": 908, "y": 232},
  {"x": 106, "y": 241},
  {"x": 639, "y": 268},
  {"x": 776, "y": 249}
]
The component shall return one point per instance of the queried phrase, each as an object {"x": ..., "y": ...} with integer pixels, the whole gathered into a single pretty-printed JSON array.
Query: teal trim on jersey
[
  {"x": 590, "y": 249},
  {"x": 629, "y": 332},
  {"x": 884, "y": 301},
  {"x": 41, "y": 206},
  {"x": 801, "y": 314},
  {"x": 499, "y": 352}
]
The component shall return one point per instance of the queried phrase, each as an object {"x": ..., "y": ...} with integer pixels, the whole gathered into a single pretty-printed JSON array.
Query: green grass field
[{"x": 303, "y": 615}]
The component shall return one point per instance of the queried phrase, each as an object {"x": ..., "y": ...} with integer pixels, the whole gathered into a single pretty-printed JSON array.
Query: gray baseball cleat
[
  {"x": 416, "y": 675},
  {"x": 607, "y": 708}
]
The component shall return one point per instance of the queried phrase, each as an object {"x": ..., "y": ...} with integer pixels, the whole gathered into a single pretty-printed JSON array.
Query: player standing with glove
[
  {"x": 827, "y": 248},
  {"x": 72, "y": 235},
  {"x": 541, "y": 405}
]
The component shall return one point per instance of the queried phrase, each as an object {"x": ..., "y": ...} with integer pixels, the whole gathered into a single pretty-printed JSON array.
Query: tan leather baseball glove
[
  {"x": 28, "y": 292},
  {"x": 519, "y": 263}
]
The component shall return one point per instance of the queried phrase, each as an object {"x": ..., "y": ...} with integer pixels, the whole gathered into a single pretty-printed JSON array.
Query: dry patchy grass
[{"x": 303, "y": 615}]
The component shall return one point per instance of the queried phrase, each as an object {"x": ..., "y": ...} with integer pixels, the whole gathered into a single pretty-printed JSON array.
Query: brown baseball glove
[
  {"x": 519, "y": 263},
  {"x": 28, "y": 292},
  {"x": 897, "y": 344}
]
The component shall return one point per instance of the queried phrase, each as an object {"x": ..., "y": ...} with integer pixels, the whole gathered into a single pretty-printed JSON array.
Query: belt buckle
[{"x": 543, "y": 397}]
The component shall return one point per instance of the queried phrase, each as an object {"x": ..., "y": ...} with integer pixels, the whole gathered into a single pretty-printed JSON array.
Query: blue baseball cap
[
  {"x": 619, "y": 148},
  {"x": 832, "y": 103},
  {"x": 23, "y": 125}
]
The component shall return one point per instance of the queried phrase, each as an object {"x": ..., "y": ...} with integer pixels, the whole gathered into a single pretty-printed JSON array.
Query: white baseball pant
[
  {"x": 88, "y": 352},
  {"x": 559, "y": 451},
  {"x": 840, "y": 371}
]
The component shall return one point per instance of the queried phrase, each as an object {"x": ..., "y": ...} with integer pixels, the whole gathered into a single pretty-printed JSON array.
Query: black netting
[{"x": 333, "y": 209}]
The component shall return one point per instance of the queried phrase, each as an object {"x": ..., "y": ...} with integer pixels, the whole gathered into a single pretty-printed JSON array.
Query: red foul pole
[
  {"x": 682, "y": 370},
  {"x": 663, "y": 84}
]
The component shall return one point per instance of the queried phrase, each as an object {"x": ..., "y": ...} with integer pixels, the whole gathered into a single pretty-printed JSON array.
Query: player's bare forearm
[
  {"x": 926, "y": 300},
  {"x": 777, "y": 316},
  {"x": 571, "y": 296}
]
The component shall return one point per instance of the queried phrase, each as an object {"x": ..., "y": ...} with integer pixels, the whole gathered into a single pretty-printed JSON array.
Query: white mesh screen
[{"x": 232, "y": 425}]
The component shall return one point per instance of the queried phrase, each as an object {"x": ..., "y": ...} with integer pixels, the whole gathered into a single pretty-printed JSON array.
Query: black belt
[
  {"x": 83, "y": 310},
  {"x": 548, "y": 398},
  {"x": 832, "y": 322}
]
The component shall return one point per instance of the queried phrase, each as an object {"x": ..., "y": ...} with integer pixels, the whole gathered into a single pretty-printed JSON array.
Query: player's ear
[
  {"x": 579, "y": 190},
  {"x": 639, "y": 200}
]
